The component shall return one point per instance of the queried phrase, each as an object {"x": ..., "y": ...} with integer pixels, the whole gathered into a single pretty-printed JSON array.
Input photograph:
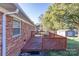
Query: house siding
[
  {"x": 14, "y": 44},
  {"x": 0, "y": 32}
]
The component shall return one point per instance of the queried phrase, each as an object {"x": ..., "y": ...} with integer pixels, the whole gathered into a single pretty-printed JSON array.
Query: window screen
[{"x": 16, "y": 27}]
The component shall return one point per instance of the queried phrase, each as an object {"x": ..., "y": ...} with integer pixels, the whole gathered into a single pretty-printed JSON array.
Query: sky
[{"x": 34, "y": 10}]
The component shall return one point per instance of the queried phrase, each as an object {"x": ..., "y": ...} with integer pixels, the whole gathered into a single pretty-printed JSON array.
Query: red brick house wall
[
  {"x": 14, "y": 45},
  {"x": 0, "y": 31}
]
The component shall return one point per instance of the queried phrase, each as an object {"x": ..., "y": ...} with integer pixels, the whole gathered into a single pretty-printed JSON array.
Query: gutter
[{"x": 4, "y": 31}]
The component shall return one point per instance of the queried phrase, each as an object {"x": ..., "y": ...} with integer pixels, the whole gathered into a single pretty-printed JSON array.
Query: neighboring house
[
  {"x": 61, "y": 32},
  {"x": 18, "y": 29},
  {"x": 72, "y": 33},
  {"x": 68, "y": 32}
]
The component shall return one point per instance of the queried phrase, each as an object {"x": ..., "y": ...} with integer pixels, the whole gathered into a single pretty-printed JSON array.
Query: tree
[{"x": 61, "y": 16}]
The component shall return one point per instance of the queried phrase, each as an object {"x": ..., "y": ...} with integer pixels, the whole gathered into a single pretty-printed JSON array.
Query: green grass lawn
[{"x": 72, "y": 48}]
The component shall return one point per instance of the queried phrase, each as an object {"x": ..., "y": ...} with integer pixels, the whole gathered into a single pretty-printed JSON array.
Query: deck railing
[
  {"x": 54, "y": 41},
  {"x": 50, "y": 41}
]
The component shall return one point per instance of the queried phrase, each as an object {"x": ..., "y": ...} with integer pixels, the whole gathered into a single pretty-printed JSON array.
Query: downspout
[
  {"x": 4, "y": 31},
  {"x": 4, "y": 35}
]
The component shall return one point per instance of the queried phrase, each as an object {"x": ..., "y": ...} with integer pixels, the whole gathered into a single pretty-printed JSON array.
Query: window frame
[{"x": 15, "y": 19}]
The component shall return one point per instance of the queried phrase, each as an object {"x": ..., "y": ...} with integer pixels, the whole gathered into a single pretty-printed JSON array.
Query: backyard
[
  {"x": 54, "y": 34},
  {"x": 72, "y": 48}
]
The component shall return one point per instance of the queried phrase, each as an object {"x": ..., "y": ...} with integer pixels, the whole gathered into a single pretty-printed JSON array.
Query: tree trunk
[{"x": 78, "y": 33}]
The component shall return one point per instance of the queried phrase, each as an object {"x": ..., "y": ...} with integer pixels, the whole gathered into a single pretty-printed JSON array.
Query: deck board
[
  {"x": 41, "y": 43},
  {"x": 33, "y": 45}
]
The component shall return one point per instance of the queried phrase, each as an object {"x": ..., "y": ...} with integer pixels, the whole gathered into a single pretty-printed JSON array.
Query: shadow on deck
[{"x": 35, "y": 44}]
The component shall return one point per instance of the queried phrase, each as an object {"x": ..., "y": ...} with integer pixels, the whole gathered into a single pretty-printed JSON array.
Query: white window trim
[{"x": 13, "y": 36}]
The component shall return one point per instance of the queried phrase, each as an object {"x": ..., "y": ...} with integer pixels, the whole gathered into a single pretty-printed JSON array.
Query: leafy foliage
[{"x": 60, "y": 16}]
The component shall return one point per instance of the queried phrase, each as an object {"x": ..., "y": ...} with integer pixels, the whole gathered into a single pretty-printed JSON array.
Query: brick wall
[
  {"x": 14, "y": 45},
  {"x": 0, "y": 31}
]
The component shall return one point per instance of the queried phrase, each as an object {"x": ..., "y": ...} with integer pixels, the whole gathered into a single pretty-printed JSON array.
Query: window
[{"x": 16, "y": 27}]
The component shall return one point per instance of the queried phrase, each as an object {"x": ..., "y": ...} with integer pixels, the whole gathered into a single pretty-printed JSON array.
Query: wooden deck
[
  {"x": 35, "y": 44},
  {"x": 42, "y": 43}
]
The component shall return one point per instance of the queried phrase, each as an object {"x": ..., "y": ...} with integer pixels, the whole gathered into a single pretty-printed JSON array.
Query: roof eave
[{"x": 23, "y": 12}]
